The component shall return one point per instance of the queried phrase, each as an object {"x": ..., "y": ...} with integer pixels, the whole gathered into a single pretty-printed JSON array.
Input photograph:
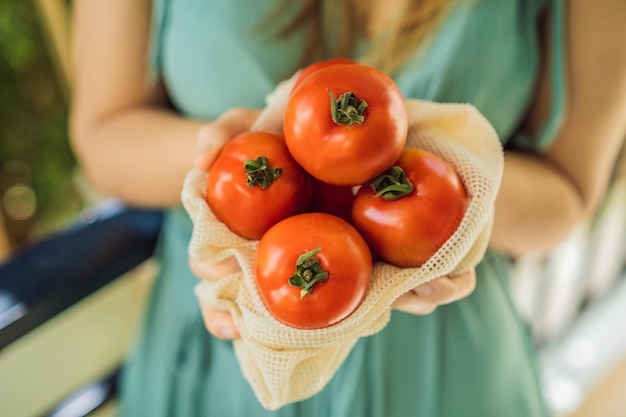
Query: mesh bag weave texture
[{"x": 284, "y": 364}]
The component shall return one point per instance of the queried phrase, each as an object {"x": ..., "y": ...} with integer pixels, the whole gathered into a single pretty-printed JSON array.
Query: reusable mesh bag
[{"x": 284, "y": 364}]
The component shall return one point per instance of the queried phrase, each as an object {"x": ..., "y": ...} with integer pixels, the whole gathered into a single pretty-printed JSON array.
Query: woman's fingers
[
  {"x": 218, "y": 322},
  {"x": 425, "y": 298},
  {"x": 447, "y": 289},
  {"x": 411, "y": 302},
  {"x": 214, "y": 271}
]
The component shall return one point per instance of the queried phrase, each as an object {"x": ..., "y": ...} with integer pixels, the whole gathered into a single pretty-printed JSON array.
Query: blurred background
[
  {"x": 37, "y": 169},
  {"x": 64, "y": 331}
]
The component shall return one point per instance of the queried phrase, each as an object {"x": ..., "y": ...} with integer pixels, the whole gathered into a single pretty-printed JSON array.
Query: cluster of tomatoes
[{"x": 335, "y": 187}]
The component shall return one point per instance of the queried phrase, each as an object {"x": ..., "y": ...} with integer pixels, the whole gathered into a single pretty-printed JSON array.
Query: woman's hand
[
  {"x": 425, "y": 298},
  {"x": 218, "y": 322},
  {"x": 211, "y": 139}
]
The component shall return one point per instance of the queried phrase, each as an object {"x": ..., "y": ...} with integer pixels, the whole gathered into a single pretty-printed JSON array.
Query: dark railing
[{"x": 51, "y": 275}]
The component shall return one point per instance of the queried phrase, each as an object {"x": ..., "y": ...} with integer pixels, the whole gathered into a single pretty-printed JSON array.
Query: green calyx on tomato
[
  {"x": 308, "y": 272},
  {"x": 259, "y": 172},
  {"x": 347, "y": 108},
  {"x": 392, "y": 185}
]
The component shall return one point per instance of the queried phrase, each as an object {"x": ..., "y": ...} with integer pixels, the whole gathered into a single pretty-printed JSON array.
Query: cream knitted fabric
[{"x": 283, "y": 364}]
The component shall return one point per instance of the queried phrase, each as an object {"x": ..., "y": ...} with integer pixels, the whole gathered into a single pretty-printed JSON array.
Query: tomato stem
[
  {"x": 392, "y": 185},
  {"x": 308, "y": 272},
  {"x": 347, "y": 108},
  {"x": 259, "y": 172}
]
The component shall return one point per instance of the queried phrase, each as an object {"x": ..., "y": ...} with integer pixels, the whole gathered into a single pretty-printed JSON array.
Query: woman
[{"x": 454, "y": 346}]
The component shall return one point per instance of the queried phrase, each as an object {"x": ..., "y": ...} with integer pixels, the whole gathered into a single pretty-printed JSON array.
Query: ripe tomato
[
  {"x": 346, "y": 124},
  {"x": 312, "y": 270},
  {"x": 254, "y": 183},
  {"x": 407, "y": 231},
  {"x": 310, "y": 69},
  {"x": 331, "y": 199}
]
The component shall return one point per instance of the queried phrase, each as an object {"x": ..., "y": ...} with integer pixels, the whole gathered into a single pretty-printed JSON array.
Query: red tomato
[
  {"x": 332, "y": 199},
  {"x": 346, "y": 124},
  {"x": 407, "y": 231},
  {"x": 308, "y": 70},
  {"x": 312, "y": 270},
  {"x": 249, "y": 193}
]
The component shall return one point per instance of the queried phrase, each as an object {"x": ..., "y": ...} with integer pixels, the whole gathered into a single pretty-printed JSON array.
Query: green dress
[{"x": 470, "y": 358}]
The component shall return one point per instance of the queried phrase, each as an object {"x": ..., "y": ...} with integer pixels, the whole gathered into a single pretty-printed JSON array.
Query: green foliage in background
[{"x": 34, "y": 148}]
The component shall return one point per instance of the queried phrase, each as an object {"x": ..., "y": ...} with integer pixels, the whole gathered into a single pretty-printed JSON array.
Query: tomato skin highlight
[
  {"x": 406, "y": 232},
  {"x": 340, "y": 154},
  {"x": 344, "y": 255},
  {"x": 310, "y": 69},
  {"x": 250, "y": 211}
]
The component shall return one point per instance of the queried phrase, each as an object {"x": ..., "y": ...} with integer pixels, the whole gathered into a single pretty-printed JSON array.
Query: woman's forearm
[
  {"x": 127, "y": 139},
  {"x": 536, "y": 208},
  {"x": 140, "y": 155},
  {"x": 544, "y": 195}
]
